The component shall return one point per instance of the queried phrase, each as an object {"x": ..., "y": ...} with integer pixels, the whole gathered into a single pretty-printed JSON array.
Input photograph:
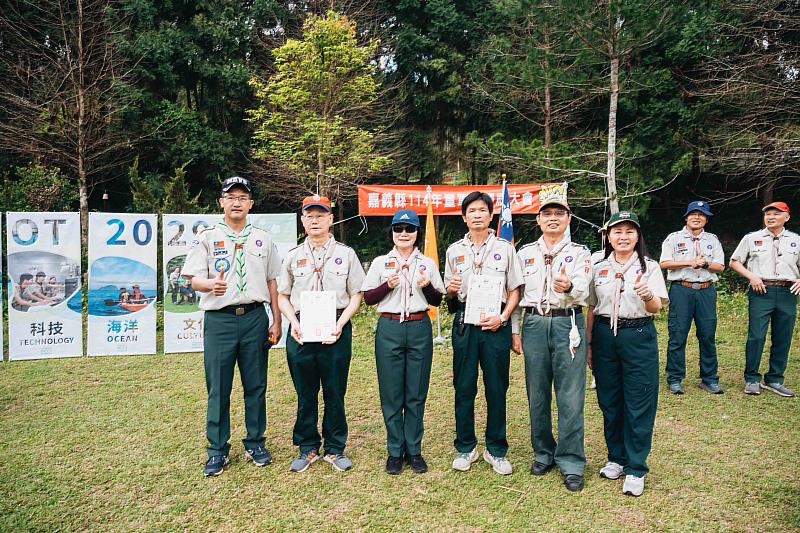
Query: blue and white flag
[{"x": 505, "y": 229}]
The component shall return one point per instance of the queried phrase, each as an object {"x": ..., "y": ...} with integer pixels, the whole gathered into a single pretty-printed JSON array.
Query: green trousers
[
  {"x": 229, "y": 340},
  {"x": 687, "y": 305},
  {"x": 778, "y": 306},
  {"x": 312, "y": 365},
  {"x": 549, "y": 364},
  {"x": 490, "y": 350},
  {"x": 626, "y": 372},
  {"x": 403, "y": 357}
]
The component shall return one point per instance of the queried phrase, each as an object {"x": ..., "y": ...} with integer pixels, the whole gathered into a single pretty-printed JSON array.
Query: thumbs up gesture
[
  {"x": 642, "y": 289},
  {"x": 455, "y": 284},
  {"x": 561, "y": 282},
  {"x": 423, "y": 279},
  {"x": 394, "y": 279},
  {"x": 218, "y": 283}
]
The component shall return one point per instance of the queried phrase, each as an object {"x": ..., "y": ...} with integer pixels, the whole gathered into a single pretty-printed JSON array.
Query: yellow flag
[{"x": 430, "y": 249}]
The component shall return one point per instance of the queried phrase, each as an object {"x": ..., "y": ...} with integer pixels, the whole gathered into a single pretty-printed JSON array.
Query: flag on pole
[
  {"x": 505, "y": 229},
  {"x": 430, "y": 247}
]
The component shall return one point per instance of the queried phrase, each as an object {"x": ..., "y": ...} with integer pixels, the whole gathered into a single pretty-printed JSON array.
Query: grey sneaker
[
  {"x": 612, "y": 470},
  {"x": 779, "y": 389},
  {"x": 633, "y": 486},
  {"x": 752, "y": 388},
  {"x": 215, "y": 465},
  {"x": 463, "y": 461},
  {"x": 713, "y": 388},
  {"x": 338, "y": 461},
  {"x": 676, "y": 388},
  {"x": 304, "y": 460},
  {"x": 501, "y": 465}
]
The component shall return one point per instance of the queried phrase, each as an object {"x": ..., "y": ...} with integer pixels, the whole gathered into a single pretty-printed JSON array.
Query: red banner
[{"x": 383, "y": 200}]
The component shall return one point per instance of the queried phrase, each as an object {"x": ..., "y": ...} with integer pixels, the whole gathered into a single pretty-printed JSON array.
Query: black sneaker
[
  {"x": 394, "y": 465},
  {"x": 417, "y": 463},
  {"x": 573, "y": 482},
  {"x": 259, "y": 455},
  {"x": 215, "y": 465}
]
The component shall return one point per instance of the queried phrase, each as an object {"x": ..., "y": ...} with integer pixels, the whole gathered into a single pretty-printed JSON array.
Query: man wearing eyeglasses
[
  {"x": 553, "y": 338},
  {"x": 234, "y": 267},
  {"x": 320, "y": 263}
]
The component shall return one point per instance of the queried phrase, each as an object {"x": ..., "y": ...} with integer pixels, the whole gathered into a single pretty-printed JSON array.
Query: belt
[
  {"x": 696, "y": 285},
  {"x": 410, "y": 316},
  {"x": 554, "y": 311},
  {"x": 338, "y": 313},
  {"x": 239, "y": 310},
  {"x": 625, "y": 322},
  {"x": 778, "y": 283}
]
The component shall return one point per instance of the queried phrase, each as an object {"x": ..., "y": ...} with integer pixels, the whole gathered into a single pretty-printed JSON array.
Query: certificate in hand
[
  {"x": 317, "y": 316},
  {"x": 484, "y": 298}
]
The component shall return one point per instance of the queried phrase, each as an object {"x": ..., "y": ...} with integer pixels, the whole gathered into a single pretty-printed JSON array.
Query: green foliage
[
  {"x": 308, "y": 117},
  {"x": 36, "y": 187},
  {"x": 154, "y": 194}
]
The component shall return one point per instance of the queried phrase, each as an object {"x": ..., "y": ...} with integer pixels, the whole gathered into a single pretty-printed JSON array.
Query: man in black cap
[
  {"x": 692, "y": 257},
  {"x": 234, "y": 266}
]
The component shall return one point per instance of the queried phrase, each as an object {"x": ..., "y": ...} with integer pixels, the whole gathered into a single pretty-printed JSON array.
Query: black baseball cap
[{"x": 234, "y": 181}]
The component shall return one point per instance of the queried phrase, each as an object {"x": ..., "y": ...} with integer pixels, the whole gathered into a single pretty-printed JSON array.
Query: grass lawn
[{"x": 117, "y": 443}]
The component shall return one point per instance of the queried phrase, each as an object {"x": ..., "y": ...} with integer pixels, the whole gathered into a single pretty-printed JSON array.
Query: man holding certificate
[
  {"x": 482, "y": 276},
  {"x": 557, "y": 273},
  {"x": 319, "y": 290}
]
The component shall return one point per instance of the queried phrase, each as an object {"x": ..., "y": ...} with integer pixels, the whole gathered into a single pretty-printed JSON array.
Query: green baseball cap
[{"x": 623, "y": 216}]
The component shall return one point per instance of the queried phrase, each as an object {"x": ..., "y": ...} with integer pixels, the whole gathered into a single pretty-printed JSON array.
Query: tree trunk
[
  {"x": 83, "y": 189},
  {"x": 611, "y": 176}
]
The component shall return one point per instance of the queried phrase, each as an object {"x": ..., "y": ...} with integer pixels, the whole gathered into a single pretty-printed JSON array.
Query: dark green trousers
[
  {"x": 229, "y": 340},
  {"x": 490, "y": 350},
  {"x": 626, "y": 372},
  {"x": 778, "y": 306},
  {"x": 312, "y": 365},
  {"x": 549, "y": 364},
  {"x": 403, "y": 357},
  {"x": 687, "y": 305}
]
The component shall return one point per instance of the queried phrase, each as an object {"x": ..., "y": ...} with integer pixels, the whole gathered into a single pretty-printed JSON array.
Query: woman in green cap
[
  {"x": 627, "y": 289},
  {"x": 403, "y": 283}
]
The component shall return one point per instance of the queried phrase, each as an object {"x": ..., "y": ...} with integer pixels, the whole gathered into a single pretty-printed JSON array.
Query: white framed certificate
[
  {"x": 317, "y": 316},
  {"x": 484, "y": 298}
]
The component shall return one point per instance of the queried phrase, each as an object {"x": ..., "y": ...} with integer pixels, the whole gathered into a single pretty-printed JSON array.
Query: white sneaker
[
  {"x": 612, "y": 470},
  {"x": 633, "y": 486},
  {"x": 499, "y": 464},
  {"x": 593, "y": 384},
  {"x": 464, "y": 460}
]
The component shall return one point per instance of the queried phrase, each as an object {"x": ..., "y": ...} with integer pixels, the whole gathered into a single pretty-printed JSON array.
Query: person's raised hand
[
  {"x": 219, "y": 285},
  {"x": 562, "y": 283}
]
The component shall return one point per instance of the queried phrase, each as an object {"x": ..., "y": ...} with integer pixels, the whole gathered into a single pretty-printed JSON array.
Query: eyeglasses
[
  {"x": 316, "y": 218},
  {"x": 404, "y": 228},
  {"x": 558, "y": 213},
  {"x": 235, "y": 199}
]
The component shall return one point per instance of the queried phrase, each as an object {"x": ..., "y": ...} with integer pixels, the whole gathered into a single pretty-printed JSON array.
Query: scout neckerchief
[
  {"x": 478, "y": 259},
  {"x": 406, "y": 277},
  {"x": 547, "y": 278},
  {"x": 696, "y": 241},
  {"x": 319, "y": 268},
  {"x": 619, "y": 274},
  {"x": 776, "y": 251},
  {"x": 238, "y": 253}
]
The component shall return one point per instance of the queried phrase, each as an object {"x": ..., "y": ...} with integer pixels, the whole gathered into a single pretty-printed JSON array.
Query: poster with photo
[
  {"x": 121, "y": 299},
  {"x": 44, "y": 285}
]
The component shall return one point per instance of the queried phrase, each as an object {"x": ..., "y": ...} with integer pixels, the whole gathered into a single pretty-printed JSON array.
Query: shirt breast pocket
[
  {"x": 496, "y": 266},
  {"x": 336, "y": 275}
]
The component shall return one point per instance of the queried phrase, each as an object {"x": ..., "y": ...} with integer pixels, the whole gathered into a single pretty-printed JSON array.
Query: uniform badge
[
  {"x": 793, "y": 245},
  {"x": 301, "y": 262},
  {"x": 222, "y": 264},
  {"x": 759, "y": 243},
  {"x": 219, "y": 248},
  {"x": 259, "y": 243},
  {"x": 389, "y": 264},
  {"x": 681, "y": 247},
  {"x": 568, "y": 259},
  {"x": 709, "y": 247},
  {"x": 603, "y": 273},
  {"x": 530, "y": 261},
  {"x": 422, "y": 268},
  {"x": 338, "y": 260},
  {"x": 497, "y": 257},
  {"x": 459, "y": 260}
]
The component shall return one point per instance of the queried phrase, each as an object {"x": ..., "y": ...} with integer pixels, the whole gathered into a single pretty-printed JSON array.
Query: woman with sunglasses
[
  {"x": 627, "y": 289},
  {"x": 403, "y": 283}
]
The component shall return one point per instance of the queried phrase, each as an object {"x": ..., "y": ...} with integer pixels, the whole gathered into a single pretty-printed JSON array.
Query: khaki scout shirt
[
  {"x": 341, "y": 271},
  {"x": 679, "y": 246},
  {"x": 630, "y": 304},
  {"x": 495, "y": 257},
  {"x": 577, "y": 260},
  {"x": 756, "y": 254},
  {"x": 213, "y": 251},
  {"x": 384, "y": 266}
]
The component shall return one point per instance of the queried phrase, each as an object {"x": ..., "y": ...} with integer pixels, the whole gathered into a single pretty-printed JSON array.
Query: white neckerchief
[
  {"x": 776, "y": 250},
  {"x": 547, "y": 278},
  {"x": 695, "y": 240},
  {"x": 619, "y": 274},
  {"x": 407, "y": 268}
]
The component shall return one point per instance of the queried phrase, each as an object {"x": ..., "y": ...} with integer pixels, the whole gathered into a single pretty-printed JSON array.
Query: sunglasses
[{"x": 404, "y": 228}]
